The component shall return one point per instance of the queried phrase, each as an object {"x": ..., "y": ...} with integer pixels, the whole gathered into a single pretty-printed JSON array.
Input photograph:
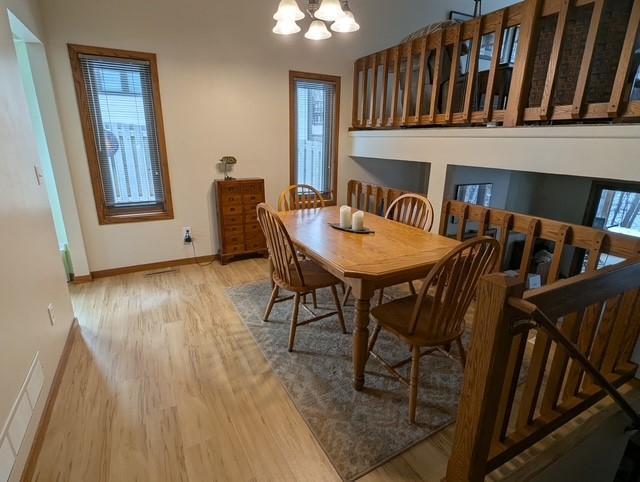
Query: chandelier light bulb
[
  {"x": 346, "y": 23},
  {"x": 286, "y": 27},
  {"x": 288, "y": 10},
  {"x": 317, "y": 31},
  {"x": 330, "y": 10}
]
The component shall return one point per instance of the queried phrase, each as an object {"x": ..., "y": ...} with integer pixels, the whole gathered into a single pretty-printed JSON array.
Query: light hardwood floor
[{"x": 164, "y": 383}]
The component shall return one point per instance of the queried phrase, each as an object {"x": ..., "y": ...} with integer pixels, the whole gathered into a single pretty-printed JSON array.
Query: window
[
  {"x": 314, "y": 103},
  {"x": 121, "y": 118},
  {"x": 474, "y": 193}
]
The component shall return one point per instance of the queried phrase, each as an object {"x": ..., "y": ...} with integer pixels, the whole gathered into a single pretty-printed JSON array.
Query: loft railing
[
  {"x": 514, "y": 396},
  {"x": 596, "y": 312},
  {"x": 535, "y": 61}
]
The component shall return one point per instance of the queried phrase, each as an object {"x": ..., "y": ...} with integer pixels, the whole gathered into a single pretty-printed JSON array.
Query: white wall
[
  {"x": 32, "y": 274},
  {"x": 609, "y": 152},
  {"x": 224, "y": 89}
]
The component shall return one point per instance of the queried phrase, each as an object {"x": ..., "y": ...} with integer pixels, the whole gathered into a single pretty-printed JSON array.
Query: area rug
[{"x": 357, "y": 430}]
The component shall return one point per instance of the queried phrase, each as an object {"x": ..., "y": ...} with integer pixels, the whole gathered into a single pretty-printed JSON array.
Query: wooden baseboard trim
[
  {"x": 77, "y": 280},
  {"x": 43, "y": 425},
  {"x": 151, "y": 266}
]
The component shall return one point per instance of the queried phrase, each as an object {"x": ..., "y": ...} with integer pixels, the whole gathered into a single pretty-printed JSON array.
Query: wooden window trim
[
  {"x": 109, "y": 215},
  {"x": 336, "y": 80}
]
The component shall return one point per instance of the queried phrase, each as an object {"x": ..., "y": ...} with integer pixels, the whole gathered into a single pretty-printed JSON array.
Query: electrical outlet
[
  {"x": 52, "y": 316},
  {"x": 187, "y": 234}
]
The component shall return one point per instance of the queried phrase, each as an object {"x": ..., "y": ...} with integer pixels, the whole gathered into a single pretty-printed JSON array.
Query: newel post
[{"x": 484, "y": 376}]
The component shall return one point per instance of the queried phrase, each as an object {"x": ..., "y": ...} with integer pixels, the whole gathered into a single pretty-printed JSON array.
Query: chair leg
[
  {"x": 381, "y": 296},
  {"x": 412, "y": 288},
  {"x": 315, "y": 299},
  {"x": 413, "y": 385},
  {"x": 463, "y": 353},
  {"x": 294, "y": 320},
  {"x": 272, "y": 300},
  {"x": 374, "y": 337},
  {"x": 345, "y": 298},
  {"x": 334, "y": 292}
]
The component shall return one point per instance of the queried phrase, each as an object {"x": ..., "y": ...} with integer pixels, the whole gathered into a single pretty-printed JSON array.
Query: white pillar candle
[
  {"x": 357, "y": 221},
  {"x": 345, "y": 217}
]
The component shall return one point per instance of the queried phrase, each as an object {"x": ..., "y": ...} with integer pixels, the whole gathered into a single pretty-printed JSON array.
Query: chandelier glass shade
[
  {"x": 330, "y": 10},
  {"x": 288, "y": 10},
  {"x": 286, "y": 27},
  {"x": 336, "y": 12},
  {"x": 317, "y": 31},
  {"x": 346, "y": 23}
]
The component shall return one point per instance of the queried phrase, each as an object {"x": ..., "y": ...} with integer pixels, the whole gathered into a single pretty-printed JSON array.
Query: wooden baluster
[
  {"x": 524, "y": 61},
  {"x": 495, "y": 61},
  {"x": 505, "y": 229},
  {"x": 435, "y": 88},
  {"x": 421, "y": 73},
  {"x": 558, "y": 39},
  {"x": 631, "y": 336},
  {"x": 453, "y": 74},
  {"x": 616, "y": 101},
  {"x": 623, "y": 317},
  {"x": 587, "y": 57},
  {"x": 473, "y": 69},
  {"x": 396, "y": 84},
  {"x": 407, "y": 83},
  {"x": 587, "y": 330},
  {"x": 444, "y": 218},
  {"x": 350, "y": 186},
  {"x": 570, "y": 328},
  {"x": 462, "y": 223},
  {"x": 385, "y": 81},
  {"x": 356, "y": 92},
  {"x": 365, "y": 81},
  {"x": 485, "y": 370},
  {"x": 532, "y": 234},
  {"x": 374, "y": 90}
]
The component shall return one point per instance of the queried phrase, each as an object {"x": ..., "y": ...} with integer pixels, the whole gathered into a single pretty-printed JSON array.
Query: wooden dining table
[{"x": 394, "y": 253}]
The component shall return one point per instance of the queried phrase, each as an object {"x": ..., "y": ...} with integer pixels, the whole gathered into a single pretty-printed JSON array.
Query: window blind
[
  {"x": 315, "y": 111},
  {"x": 121, "y": 110}
]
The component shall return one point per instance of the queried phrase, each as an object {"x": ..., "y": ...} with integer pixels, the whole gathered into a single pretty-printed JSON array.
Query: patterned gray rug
[{"x": 358, "y": 430}]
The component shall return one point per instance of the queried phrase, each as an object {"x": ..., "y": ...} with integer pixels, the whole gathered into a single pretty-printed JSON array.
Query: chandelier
[{"x": 336, "y": 12}]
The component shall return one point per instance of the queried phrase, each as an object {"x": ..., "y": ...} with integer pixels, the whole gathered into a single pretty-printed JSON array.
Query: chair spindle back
[
  {"x": 413, "y": 210},
  {"x": 281, "y": 249},
  {"x": 300, "y": 196},
  {"x": 452, "y": 284}
]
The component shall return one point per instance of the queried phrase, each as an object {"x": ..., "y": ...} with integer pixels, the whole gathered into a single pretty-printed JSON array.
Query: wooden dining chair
[
  {"x": 300, "y": 196},
  {"x": 300, "y": 276},
  {"x": 433, "y": 319},
  {"x": 410, "y": 209}
]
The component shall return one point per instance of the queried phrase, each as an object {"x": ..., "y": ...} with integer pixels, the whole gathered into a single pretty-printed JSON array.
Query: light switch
[
  {"x": 6, "y": 460},
  {"x": 19, "y": 422},
  {"x": 34, "y": 385}
]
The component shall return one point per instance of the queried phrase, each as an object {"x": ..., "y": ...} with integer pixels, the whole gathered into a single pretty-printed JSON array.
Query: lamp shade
[
  {"x": 317, "y": 31},
  {"x": 330, "y": 10},
  {"x": 288, "y": 10},
  {"x": 286, "y": 27},
  {"x": 346, "y": 23}
]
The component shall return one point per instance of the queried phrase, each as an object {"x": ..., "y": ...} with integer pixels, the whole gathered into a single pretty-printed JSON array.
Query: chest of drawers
[{"x": 238, "y": 229}]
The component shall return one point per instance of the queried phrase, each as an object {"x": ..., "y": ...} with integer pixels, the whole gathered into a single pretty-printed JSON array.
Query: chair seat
[
  {"x": 315, "y": 277},
  {"x": 395, "y": 315}
]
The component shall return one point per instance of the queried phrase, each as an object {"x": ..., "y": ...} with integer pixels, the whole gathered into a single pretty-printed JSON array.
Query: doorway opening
[{"x": 30, "y": 55}]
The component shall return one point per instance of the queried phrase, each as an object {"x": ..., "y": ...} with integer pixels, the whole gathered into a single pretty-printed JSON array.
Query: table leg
[{"x": 362, "y": 293}]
